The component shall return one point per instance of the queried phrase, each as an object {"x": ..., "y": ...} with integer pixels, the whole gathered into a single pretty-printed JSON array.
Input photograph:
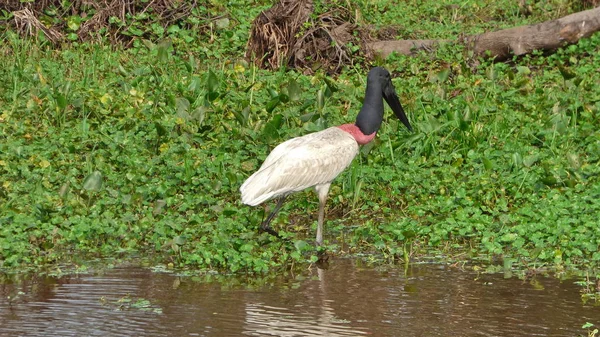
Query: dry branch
[
  {"x": 273, "y": 32},
  {"x": 27, "y": 22},
  {"x": 287, "y": 35},
  {"x": 501, "y": 44},
  {"x": 27, "y": 16}
]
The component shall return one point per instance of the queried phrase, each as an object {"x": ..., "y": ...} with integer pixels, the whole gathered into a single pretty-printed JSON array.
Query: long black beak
[{"x": 389, "y": 93}]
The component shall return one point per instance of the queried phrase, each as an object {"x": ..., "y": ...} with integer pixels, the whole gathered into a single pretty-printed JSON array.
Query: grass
[
  {"x": 115, "y": 153},
  {"x": 449, "y": 19}
]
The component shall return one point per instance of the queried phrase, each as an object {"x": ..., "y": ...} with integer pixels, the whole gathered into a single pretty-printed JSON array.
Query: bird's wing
[
  {"x": 283, "y": 148},
  {"x": 299, "y": 163}
]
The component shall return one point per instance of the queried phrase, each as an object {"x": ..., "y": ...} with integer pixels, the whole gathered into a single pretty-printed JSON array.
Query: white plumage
[{"x": 299, "y": 163}]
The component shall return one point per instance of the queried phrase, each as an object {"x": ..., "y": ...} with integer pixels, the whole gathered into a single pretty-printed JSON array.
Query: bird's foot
[{"x": 268, "y": 229}]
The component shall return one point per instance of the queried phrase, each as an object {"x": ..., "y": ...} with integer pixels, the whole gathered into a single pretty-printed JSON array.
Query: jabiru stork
[{"x": 316, "y": 159}]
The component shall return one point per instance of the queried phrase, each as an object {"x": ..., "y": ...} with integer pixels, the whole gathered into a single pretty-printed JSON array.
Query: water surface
[{"x": 345, "y": 300}]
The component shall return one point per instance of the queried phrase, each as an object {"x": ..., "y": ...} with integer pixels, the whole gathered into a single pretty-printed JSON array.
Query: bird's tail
[{"x": 254, "y": 190}]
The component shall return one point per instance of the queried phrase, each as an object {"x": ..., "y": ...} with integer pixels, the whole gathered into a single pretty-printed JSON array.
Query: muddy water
[{"x": 345, "y": 300}]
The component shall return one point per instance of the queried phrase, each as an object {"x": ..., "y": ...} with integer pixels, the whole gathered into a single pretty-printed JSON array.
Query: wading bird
[{"x": 315, "y": 159}]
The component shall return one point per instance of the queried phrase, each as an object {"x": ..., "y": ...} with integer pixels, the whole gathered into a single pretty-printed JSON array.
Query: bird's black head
[{"x": 379, "y": 85}]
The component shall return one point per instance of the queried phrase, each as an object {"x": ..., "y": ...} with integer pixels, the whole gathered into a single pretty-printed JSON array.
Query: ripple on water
[{"x": 346, "y": 300}]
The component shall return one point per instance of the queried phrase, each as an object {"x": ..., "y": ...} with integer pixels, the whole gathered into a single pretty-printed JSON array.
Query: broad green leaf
[
  {"x": 331, "y": 86},
  {"x": 173, "y": 29},
  {"x": 523, "y": 70},
  {"x": 300, "y": 245},
  {"x": 491, "y": 73},
  {"x": 148, "y": 44},
  {"x": 135, "y": 31},
  {"x": 487, "y": 164},
  {"x": 443, "y": 75},
  {"x": 93, "y": 182},
  {"x": 159, "y": 205},
  {"x": 284, "y": 98},
  {"x": 122, "y": 70},
  {"x": 431, "y": 125},
  {"x": 528, "y": 161},
  {"x": 549, "y": 179},
  {"x": 73, "y": 22},
  {"x": 272, "y": 104},
  {"x": 320, "y": 100},
  {"x": 294, "y": 90},
  {"x": 211, "y": 96},
  {"x": 249, "y": 87},
  {"x": 182, "y": 104},
  {"x": 163, "y": 50},
  {"x": 574, "y": 161},
  {"x": 199, "y": 114},
  {"x": 566, "y": 73},
  {"x": 510, "y": 74},
  {"x": 64, "y": 189},
  {"x": 409, "y": 234},
  {"x": 222, "y": 23},
  {"x": 517, "y": 159},
  {"x": 195, "y": 85},
  {"x": 308, "y": 117},
  {"x": 179, "y": 240},
  {"x": 466, "y": 114},
  {"x": 61, "y": 101},
  {"x": 231, "y": 177},
  {"x": 160, "y": 130},
  {"x": 190, "y": 65},
  {"x": 242, "y": 116},
  {"x": 212, "y": 82},
  {"x": 272, "y": 127},
  {"x": 308, "y": 103},
  {"x": 321, "y": 123}
]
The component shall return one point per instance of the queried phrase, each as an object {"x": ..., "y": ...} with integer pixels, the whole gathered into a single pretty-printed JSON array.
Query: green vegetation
[
  {"x": 591, "y": 332},
  {"x": 449, "y": 19},
  {"x": 112, "y": 152}
]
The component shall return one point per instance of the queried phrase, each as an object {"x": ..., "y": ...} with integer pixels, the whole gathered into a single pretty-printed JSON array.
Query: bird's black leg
[{"x": 264, "y": 226}]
